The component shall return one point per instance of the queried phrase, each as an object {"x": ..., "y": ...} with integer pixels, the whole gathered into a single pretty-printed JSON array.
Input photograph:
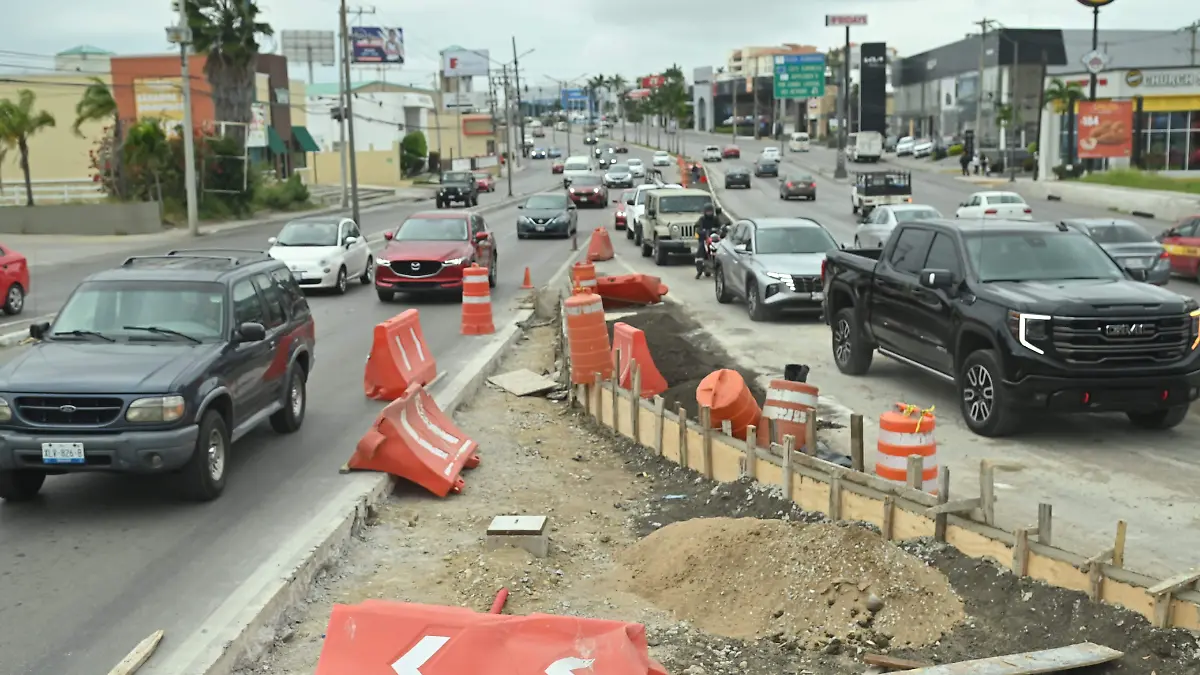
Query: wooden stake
[
  {"x": 771, "y": 438},
  {"x": 916, "y": 472},
  {"x": 616, "y": 401},
  {"x": 706, "y": 444},
  {"x": 1020, "y": 561},
  {"x": 835, "y": 498},
  {"x": 635, "y": 404},
  {"x": 987, "y": 492},
  {"x": 660, "y": 419},
  {"x": 750, "y": 453},
  {"x": 1118, "y": 558},
  {"x": 889, "y": 510},
  {"x": 683, "y": 436},
  {"x": 810, "y": 434},
  {"x": 789, "y": 446},
  {"x": 943, "y": 495},
  {"x": 138, "y": 656},
  {"x": 1045, "y": 529},
  {"x": 856, "y": 443}
]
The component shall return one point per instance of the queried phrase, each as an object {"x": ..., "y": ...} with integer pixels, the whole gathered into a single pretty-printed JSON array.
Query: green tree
[
  {"x": 20, "y": 121},
  {"x": 4, "y": 148},
  {"x": 97, "y": 105},
  {"x": 1062, "y": 96},
  {"x": 620, "y": 88},
  {"x": 148, "y": 151},
  {"x": 227, "y": 33},
  {"x": 594, "y": 86}
]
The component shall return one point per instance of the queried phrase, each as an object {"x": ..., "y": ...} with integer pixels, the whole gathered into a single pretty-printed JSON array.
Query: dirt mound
[{"x": 821, "y": 584}]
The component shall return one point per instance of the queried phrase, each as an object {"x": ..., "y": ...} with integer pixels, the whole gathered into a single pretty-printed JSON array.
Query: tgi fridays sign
[
  {"x": 845, "y": 19},
  {"x": 1137, "y": 80}
]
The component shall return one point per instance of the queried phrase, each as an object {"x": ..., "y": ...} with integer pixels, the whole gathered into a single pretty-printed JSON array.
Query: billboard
[
  {"x": 845, "y": 19},
  {"x": 574, "y": 99},
  {"x": 256, "y": 135},
  {"x": 872, "y": 92},
  {"x": 653, "y": 81},
  {"x": 457, "y": 62},
  {"x": 1105, "y": 129},
  {"x": 372, "y": 44},
  {"x": 160, "y": 97}
]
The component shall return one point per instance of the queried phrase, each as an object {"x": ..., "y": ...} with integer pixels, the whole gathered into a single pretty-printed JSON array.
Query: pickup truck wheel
[
  {"x": 660, "y": 254},
  {"x": 853, "y": 207},
  {"x": 646, "y": 249},
  {"x": 1167, "y": 418},
  {"x": 755, "y": 307},
  {"x": 850, "y": 351},
  {"x": 20, "y": 486},
  {"x": 723, "y": 295},
  {"x": 288, "y": 419},
  {"x": 981, "y": 398},
  {"x": 204, "y": 474}
]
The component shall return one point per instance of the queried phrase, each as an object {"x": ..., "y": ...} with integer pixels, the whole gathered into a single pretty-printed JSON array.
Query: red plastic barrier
[
  {"x": 413, "y": 439},
  {"x": 629, "y": 347},
  {"x": 630, "y": 290},
  {"x": 378, "y": 637},
  {"x": 399, "y": 358}
]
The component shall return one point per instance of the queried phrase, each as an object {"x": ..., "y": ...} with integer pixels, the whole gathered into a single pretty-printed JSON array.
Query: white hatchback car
[
  {"x": 323, "y": 252},
  {"x": 662, "y": 158},
  {"x": 636, "y": 167}
]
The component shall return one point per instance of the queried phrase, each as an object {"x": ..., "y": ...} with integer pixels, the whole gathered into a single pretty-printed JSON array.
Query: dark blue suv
[{"x": 157, "y": 367}]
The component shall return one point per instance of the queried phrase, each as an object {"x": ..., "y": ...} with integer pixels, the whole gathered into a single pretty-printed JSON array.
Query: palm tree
[
  {"x": 227, "y": 32},
  {"x": 594, "y": 86},
  {"x": 95, "y": 105},
  {"x": 1063, "y": 96},
  {"x": 4, "y": 148},
  {"x": 19, "y": 121},
  {"x": 619, "y": 86}
]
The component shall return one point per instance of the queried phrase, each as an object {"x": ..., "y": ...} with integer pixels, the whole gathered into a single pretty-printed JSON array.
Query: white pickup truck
[{"x": 995, "y": 204}]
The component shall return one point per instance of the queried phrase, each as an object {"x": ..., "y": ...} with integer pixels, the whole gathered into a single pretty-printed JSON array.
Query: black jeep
[{"x": 458, "y": 186}]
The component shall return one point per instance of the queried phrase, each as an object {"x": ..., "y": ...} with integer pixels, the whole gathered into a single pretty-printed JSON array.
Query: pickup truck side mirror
[
  {"x": 936, "y": 279},
  {"x": 251, "y": 332}
]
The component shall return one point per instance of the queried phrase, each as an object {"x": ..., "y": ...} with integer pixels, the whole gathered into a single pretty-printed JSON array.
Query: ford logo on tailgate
[{"x": 1129, "y": 329}]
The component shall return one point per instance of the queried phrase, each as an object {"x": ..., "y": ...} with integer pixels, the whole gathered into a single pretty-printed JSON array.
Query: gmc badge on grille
[{"x": 1129, "y": 329}]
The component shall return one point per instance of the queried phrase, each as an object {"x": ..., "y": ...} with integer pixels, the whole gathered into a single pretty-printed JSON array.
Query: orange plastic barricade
[
  {"x": 413, "y": 439},
  {"x": 380, "y": 637},
  {"x": 587, "y": 337},
  {"x": 790, "y": 405},
  {"x": 601, "y": 247},
  {"x": 630, "y": 290},
  {"x": 728, "y": 398},
  {"x": 476, "y": 302},
  {"x": 399, "y": 358},
  {"x": 629, "y": 347},
  {"x": 583, "y": 276},
  {"x": 904, "y": 432}
]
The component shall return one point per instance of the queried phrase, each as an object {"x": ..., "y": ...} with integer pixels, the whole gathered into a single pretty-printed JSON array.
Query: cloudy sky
[{"x": 570, "y": 39}]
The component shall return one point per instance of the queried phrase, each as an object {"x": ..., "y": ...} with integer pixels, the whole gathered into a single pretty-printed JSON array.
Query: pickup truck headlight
[
  {"x": 1028, "y": 328},
  {"x": 674, "y": 230},
  {"x": 5, "y": 410},
  {"x": 156, "y": 409}
]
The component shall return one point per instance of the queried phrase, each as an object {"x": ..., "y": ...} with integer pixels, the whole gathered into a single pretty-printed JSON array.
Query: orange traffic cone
[
  {"x": 527, "y": 285},
  {"x": 601, "y": 247}
]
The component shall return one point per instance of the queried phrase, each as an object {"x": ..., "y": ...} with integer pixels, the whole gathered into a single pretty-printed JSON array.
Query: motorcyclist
[
  {"x": 695, "y": 173},
  {"x": 707, "y": 225}
]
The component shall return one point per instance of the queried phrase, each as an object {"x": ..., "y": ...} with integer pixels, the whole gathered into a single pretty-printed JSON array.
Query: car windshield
[
  {"x": 766, "y": 161},
  {"x": 432, "y": 229},
  {"x": 1024, "y": 256},
  {"x": 143, "y": 311},
  {"x": 457, "y": 177},
  {"x": 1119, "y": 233},
  {"x": 684, "y": 203},
  {"x": 586, "y": 179},
  {"x": 619, "y": 168},
  {"x": 547, "y": 202},
  {"x": 793, "y": 240},
  {"x": 302, "y": 233},
  {"x": 662, "y": 153},
  {"x": 635, "y": 162},
  {"x": 577, "y": 166},
  {"x": 712, "y": 148},
  {"x": 909, "y": 215},
  {"x": 1007, "y": 198}
]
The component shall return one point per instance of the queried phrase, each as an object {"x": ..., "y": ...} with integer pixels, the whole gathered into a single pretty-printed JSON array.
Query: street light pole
[
  {"x": 182, "y": 34},
  {"x": 348, "y": 112},
  {"x": 839, "y": 170}
]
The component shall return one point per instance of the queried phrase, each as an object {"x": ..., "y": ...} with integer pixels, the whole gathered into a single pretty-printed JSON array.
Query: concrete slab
[{"x": 523, "y": 382}]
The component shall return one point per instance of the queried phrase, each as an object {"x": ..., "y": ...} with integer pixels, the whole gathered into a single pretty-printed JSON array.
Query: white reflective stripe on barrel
[
  {"x": 789, "y": 396},
  {"x": 905, "y": 440},
  {"x": 897, "y": 463},
  {"x": 587, "y": 283},
  {"x": 775, "y": 412},
  {"x": 593, "y": 308},
  {"x": 476, "y": 300}
]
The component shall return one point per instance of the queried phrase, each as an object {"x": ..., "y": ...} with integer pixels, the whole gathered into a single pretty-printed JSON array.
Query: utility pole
[
  {"x": 440, "y": 102},
  {"x": 517, "y": 78},
  {"x": 348, "y": 111},
  {"x": 492, "y": 107},
  {"x": 182, "y": 33},
  {"x": 733, "y": 116},
  {"x": 839, "y": 170},
  {"x": 508, "y": 129},
  {"x": 983, "y": 24},
  {"x": 1193, "y": 51},
  {"x": 341, "y": 116},
  {"x": 754, "y": 88}
]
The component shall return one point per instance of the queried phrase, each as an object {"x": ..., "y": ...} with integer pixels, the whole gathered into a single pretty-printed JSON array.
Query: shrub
[
  {"x": 1032, "y": 148},
  {"x": 955, "y": 150},
  {"x": 413, "y": 150},
  {"x": 1145, "y": 180}
]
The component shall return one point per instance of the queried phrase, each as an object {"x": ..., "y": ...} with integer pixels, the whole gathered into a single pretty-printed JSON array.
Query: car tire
[
  {"x": 14, "y": 300},
  {"x": 723, "y": 295},
  {"x": 628, "y": 232},
  {"x": 647, "y": 249},
  {"x": 475, "y": 200},
  {"x": 782, "y": 197},
  {"x": 20, "y": 486},
  {"x": 288, "y": 419},
  {"x": 754, "y": 303},
  {"x": 981, "y": 400},
  {"x": 340, "y": 285},
  {"x": 205, "y": 473},
  {"x": 851, "y": 353},
  {"x": 660, "y": 254},
  {"x": 385, "y": 296},
  {"x": 1159, "y": 420},
  {"x": 492, "y": 271},
  {"x": 441, "y": 204},
  {"x": 368, "y": 274}
]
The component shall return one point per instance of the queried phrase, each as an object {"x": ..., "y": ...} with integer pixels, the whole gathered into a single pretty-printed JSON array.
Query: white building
[{"x": 383, "y": 114}]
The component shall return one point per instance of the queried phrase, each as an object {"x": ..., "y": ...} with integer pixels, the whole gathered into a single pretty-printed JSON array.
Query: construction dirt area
[{"x": 726, "y": 577}]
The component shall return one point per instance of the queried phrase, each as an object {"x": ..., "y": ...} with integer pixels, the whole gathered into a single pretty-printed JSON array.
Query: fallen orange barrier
[
  {"x": 399, "y": 358},
  {"x": 629, "y": 347},
  {"x": 414, "y": 440},
  {"x": 903, "y": 432},
  {"x": 380, "y": 636},
  {"x": 477, "y": 302},
  {"x": 601, "y": 247},
  {"x": 727, "y": 397},
  {"x": 791, "y": 406},
  {"x": 587, "y": 337},
  {"x": 630, "y": 290}
]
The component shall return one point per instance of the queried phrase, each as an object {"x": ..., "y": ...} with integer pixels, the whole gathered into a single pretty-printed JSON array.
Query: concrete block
[{"x": 531, "y": 533}]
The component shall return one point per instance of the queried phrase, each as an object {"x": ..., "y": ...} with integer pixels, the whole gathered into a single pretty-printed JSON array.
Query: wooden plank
[
  {"x": 891, "y": 662},
  {"x": 1118, "y": 558},
  {"x": 706, "y": 431},
  {"x": 750, "y": 453},
  {"x": 1027, "y": 663},
  {"x": 955, "y": 506},
  {"x": 681, "y": 413},
  {"x": 943, "y": 495},
  {"x": 835, "y": 498},
  {"x": 789, "y": 449},
  {"x": 660, "y": 419},
  {"x": 771, "y": 438},
  {"x": 916, "y": 471},
  {"x": 1045, "y": 517},
  {"x": 987, "y": 486},
  {"x": 1175, "y": 583},
  {"x": 1020, "y": 560},
  {"x": 810, "y": 434},
  {"x": 139, "y": 655},
  {"x": 523, "y": 382},
  {"x": 874, "y": 482},
  {"x": 1096, "y": 582},
  {"x": 856, "y": 442},
  {"x": 616, "y": 401}
]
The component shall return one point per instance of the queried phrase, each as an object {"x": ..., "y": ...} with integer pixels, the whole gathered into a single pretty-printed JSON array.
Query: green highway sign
[{"x": 800, "y": 76}]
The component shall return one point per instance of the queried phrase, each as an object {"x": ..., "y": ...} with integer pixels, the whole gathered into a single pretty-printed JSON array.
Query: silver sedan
[
  {"x": 1130, "y": 245},
  {"x": 878, "y": 225}
]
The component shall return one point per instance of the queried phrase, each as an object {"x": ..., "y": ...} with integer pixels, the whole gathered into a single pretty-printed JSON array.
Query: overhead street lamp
[{"x": 1095, "y": 6}]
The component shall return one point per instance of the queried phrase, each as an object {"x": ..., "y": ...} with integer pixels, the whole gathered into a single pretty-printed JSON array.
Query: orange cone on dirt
[
  {"x": 727, "y": 397},
  {"x": 587, "y": 337},
  {"x": 527, "y": 285},
  {"x": 601, "y": 247},
  {"x": 476, "y": 302}
]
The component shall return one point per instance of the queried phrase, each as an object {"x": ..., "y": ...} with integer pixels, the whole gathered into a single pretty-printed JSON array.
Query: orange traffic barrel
[
  {"x": 902, "y": 433},
  {"x": 727, "y": 397},
  {"x": 587, "y": 337},
  {"x": 791, "y": 405},
  {"x": 476, "y": 302},
  {"x": 584, "y": 275}
]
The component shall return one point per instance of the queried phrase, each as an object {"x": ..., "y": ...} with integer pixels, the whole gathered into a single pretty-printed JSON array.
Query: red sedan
[
  {"x": 620, "y": 220},
  {"x": 485, "y": 182},
  {"x": 731, "y": 152},
  {"x": 429, "y": 251},
  {"x": 588, "y": 189},
  {"x": 557, "y": 167},
  {"x": 14, "y": 279}
]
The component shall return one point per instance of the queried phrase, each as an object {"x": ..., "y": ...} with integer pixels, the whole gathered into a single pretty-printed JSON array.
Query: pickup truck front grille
[
  {"x": 69, "y": 410},
  {"x": 1121, "y": 341}
]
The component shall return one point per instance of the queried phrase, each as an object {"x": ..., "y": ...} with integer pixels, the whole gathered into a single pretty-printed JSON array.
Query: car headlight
[
  {"x": 561, "y": 218},
  {"x": 785, "y": 279},
  {"x": 156, "y": 409},
  {"x": 674, "y": 230},
  {"x": 453, "y": 261},
  {"x": 5, "y": 410},
  {"x": 1028, "y": 328}
]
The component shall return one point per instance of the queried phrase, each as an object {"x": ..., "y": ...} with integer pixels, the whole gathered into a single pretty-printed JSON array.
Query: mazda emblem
[
  {"x": 416, "y": 266},
  {"x": 67, "y": 408},
  {"x": 1129, "y": 329}
]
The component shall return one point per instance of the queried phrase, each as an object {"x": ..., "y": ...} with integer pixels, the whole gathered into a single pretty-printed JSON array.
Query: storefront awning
[
  {"x": 275, "y": 143},
  {"x": 304, "y": 140}
]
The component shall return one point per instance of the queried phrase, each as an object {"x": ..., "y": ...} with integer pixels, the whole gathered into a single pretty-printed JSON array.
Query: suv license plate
[{"x": 62, "y": 453}]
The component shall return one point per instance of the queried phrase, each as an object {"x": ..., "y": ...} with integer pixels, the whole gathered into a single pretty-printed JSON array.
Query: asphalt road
[{"x": 101, "y": 561}]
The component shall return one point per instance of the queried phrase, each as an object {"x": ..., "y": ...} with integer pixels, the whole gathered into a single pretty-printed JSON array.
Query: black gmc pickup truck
[{"x": 1021, "y": 317}]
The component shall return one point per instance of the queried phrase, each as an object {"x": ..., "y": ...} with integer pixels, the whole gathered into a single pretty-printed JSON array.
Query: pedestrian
[
  {"x": 965, "y": 162},
  {"x": 975, "y": 164},
  {"x": 983, "y": 165}
]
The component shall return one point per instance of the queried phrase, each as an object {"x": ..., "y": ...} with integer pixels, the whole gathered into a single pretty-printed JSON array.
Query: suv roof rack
[
  {"x": 237, "y": 255},
  {"x": 179, "y": 259}
]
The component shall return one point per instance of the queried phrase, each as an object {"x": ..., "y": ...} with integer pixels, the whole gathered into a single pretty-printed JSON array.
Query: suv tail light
[
  {"x": 990, "y": 212},
  {"x": 812, "y": 185},
  {"x": 824, "y": 265}
]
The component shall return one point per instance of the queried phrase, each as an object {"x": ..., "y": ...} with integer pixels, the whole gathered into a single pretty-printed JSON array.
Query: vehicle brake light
[
  {"x": 824, "y": 264},
  {"x": 1164, "y": 255},
  {"x": 990, "y": 212},
  {"x": 1028, "y": 210},
  {"x": 812, "y": 185},
  {"x": 1087, "y": 397},
  {"x": 789, "y": 185}
]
